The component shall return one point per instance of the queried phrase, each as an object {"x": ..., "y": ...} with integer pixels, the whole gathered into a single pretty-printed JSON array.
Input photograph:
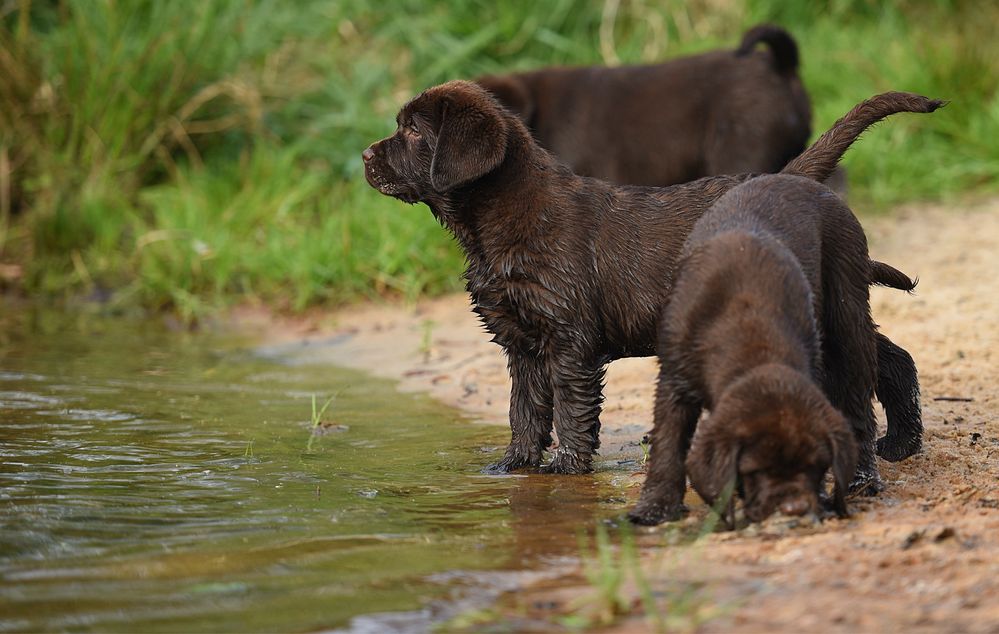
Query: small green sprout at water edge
[
  {"x": 318, "y": 428},
  {"x": 317, "y": 417}
]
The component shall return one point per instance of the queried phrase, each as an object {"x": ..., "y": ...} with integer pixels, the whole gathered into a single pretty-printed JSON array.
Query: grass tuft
[{"x": 183, "y": 157}]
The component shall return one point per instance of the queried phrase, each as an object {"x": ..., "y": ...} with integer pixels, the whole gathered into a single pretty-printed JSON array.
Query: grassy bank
[{"x": 184, "y": 156}]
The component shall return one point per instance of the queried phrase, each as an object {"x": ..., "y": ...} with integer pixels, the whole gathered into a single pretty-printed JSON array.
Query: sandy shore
[{"x": 923, "y": 556}]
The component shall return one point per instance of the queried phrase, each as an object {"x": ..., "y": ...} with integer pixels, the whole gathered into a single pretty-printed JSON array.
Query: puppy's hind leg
[
  {"x": 666, "y": 480},
  {"x": 530, "y": 413},
  {"x": 898, "y": 392},
  {"x": 849, "y": 354}
]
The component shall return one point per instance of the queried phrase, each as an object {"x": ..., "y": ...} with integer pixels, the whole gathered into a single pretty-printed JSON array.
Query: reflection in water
[
  {"x": 548, "y": 513},
  {"x": 162, "y": 481}
]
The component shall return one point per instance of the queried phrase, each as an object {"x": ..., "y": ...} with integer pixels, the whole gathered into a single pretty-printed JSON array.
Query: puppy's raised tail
[
  {"x": 820, "y": 159},
  {"x": 783, "y": 46},
  {"x": 887, "y": 275}
]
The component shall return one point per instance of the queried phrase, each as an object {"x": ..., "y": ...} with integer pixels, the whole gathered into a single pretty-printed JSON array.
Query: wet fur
[
  {"x": 769, "y": 313},
  {"x": 566, "y": 272},
  {"x": 723, "y": 112},
  {"x": 898, "y": 381}
]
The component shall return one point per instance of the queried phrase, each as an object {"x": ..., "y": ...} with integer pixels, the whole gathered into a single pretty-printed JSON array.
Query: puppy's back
[
  {"x": 741, "y": 300},
  {"x": 722, "y": 112},
  {"x": 812, "y": 222}
]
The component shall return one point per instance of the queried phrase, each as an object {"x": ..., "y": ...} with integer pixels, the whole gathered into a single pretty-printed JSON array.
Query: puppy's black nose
[{"x": 367, "y": 154}]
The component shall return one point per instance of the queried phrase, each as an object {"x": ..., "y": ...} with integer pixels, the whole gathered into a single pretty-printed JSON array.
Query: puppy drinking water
[{"x": 772, "y": 282}]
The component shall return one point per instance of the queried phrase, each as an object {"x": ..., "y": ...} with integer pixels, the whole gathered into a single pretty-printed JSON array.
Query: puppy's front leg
[
  {"x": 666, "y": 480},
  {"x": 530, "y": 412},
  {"x": 577, "y": 391}
]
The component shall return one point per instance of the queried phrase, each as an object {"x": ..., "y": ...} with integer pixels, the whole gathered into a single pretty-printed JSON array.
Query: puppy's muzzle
[
  {"x": 372, "y": 172},
  {"x": 382, "y": 177}
]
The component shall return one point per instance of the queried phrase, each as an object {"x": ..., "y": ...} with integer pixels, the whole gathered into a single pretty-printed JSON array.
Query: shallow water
[{"x": 161, "y": 481}]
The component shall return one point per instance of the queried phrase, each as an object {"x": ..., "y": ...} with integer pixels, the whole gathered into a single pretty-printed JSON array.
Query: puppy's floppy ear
[
  {"x": 843, "y": 448},
  {"x": 471, "y": 142},
  {"x": 712, "y": 464},
  {"x": 512, "y": 92}
]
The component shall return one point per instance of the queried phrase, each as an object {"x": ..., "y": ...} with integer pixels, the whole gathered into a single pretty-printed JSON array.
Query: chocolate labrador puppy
[
  {"x": 722, "y": 112},
  {"x": 567, "y": 272},
  {"x": 775, "y": 267}
]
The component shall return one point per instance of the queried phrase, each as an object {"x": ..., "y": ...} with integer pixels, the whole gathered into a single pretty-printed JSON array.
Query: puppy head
[
  {"x": 447, "y": 136},
  {"x": 771, "y": 437}
]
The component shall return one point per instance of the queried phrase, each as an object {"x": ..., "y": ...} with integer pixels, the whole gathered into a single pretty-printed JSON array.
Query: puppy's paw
[
  {"x": 511, "y": 462},
  {"x": 499, "y": 468},
  {"x": 866, "y": 483},
  {"x": 653, "y": 515},
  {"x": 894, "y": 449},
  {"x": 568, "y": 462}
]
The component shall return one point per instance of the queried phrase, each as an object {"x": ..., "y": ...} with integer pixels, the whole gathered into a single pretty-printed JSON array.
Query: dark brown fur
[
  {"x": 776, "y": 266},
  {"x": 567, "y": 272},
  {"x": 723, "y": 112}
]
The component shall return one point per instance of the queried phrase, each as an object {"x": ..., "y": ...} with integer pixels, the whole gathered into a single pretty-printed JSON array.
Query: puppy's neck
[
  {"x": 763, "y": 344},
  {"x": 756, "y": 338},
  {"x": 506, "y": 202}
]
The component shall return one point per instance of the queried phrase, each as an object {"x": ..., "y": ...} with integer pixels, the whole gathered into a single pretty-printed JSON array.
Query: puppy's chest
[{"x": 523, "y": 301}]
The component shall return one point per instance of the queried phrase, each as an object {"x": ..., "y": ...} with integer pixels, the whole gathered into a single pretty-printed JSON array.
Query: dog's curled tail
[
  {"x": 783, "y": 46},
  {"x": 887, "y": 275},
  {"x": 820, "y": 159}
]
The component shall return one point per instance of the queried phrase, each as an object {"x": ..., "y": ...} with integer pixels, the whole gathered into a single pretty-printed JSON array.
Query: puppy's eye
[{"x": 412, "y": 129}]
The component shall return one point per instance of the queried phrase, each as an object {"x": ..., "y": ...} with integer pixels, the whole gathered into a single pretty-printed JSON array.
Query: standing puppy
[
  {"x": 769, "y": 313},
  {"x": 722, "y": 112},
  {"x": 567, "y": 272}
]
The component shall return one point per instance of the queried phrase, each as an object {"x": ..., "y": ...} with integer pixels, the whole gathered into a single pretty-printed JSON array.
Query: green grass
[
  {"x": 185, "y": 156},
  {"x": 622, "y": 581},
  {"x": 317, "y": 418},
  {"x": 608, "y": 571},
  {"x": 620, "y": 585}
]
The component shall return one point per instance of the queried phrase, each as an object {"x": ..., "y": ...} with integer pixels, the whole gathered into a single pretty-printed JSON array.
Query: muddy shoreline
[{"x": 923, "y": 556}]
